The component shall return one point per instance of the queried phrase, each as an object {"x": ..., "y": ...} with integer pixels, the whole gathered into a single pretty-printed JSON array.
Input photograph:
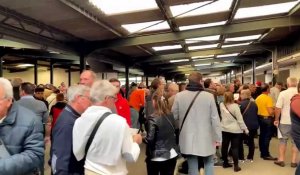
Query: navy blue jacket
[
  {"x": 22, "y": 134},
  {"x": 62, "y": 159},
  {"x": 250, "y": 117}
]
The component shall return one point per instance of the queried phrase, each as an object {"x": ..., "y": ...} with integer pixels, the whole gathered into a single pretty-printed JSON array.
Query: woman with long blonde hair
[
  {"x": 232, "y": 128},
  {"x": 162, "y": 150}
]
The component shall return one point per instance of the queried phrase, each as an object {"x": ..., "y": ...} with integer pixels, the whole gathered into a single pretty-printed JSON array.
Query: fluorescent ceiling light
[
  {"x": 264, "y": 10},
  {"x": 198, "y": 26},
  {"x": 160, "y": 48},
  {"x": 54, "y": 52},
  {"x": 234, "y": 45},
  {"x": 202, "y": 47},
  {"x": 243, "y": 38},
  {"x": 182, "y": 67},
  {"x": 24, "y": 65},
  {"x": 200, "y": 8},
  {"x": 142, "y": 27},
  {"x": 204, "y": 64},
  {"x": 203, "y": 59},
  {"x": 113, "y": 7},
  {"x": 205, "y": 56},
  {"x": 177, "y": 61},
  {"x": 200, "y": 39},
  {"x": 227, "y": 55}
]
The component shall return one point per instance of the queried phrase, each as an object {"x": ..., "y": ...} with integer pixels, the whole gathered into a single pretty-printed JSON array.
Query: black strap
[
  {"x": 247, "y": 107},
  {"x": 91, "y": 138},
  {"x": 230, "y": 112},
  {"x": 188, "y": 110}
]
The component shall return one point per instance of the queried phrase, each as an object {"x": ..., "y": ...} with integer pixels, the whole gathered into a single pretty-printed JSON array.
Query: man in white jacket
[{"x": 113, "y": 143}]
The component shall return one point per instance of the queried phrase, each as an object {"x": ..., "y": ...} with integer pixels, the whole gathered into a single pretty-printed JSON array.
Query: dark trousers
[
  {"x": 161, "y": 167},
  {"x": 250, "y": 142},
  {"x": 233, "y": 139},
  {"x": 266, "y": 126}
]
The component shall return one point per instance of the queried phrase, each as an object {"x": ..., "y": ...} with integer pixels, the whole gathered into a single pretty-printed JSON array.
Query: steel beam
[
  {"x": 34, "y": 38},
  {"x": 203, "y": 67},
  {"x": 216, "y": 30}
]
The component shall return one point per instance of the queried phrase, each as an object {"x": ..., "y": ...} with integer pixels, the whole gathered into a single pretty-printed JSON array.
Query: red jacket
[{"x": 123, "y": 108}]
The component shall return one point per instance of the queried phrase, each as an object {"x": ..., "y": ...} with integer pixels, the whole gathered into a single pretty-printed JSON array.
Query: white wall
[
  {"x": 295, "y": 71},
  {"x": 59, "y": 75}
]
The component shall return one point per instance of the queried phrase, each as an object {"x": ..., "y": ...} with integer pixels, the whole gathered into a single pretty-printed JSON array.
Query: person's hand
[
  {"x": 276, "y": 123},
  {"x": 217, "y": 144},
  {"x": 137, "y": 138},
  {"x": 47, "y": 140},
  {"x": 246, "y": 131}
]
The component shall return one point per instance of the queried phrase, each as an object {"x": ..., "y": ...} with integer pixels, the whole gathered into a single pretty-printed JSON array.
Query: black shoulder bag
[
  {"x": 188, "y": 110},
  {"x": 91, "y": 138}
]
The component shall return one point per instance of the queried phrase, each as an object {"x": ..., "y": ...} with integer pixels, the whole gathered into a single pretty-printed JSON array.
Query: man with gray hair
[
  {"x": 113, "y": 143},
  {"x": 21, "y": 135},
  {"x": 282, "y": 111},
  {"x": 62, "y": 160}
]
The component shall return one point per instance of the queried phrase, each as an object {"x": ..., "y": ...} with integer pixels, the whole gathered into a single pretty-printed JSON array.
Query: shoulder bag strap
[
  {"x": 230, "y": 112},
  {"x": 91, "y": 138},
  {"x": 166, "y": 117},
  {"x": 188, "y": 110},
  {"x": 247, "y": 107}
]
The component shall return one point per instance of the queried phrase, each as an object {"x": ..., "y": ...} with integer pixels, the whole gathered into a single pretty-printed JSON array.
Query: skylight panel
[
  {"x": 204, "y": 64},
  {"x": 203, "y": 59},
  {"x": 201, "y": 8},
  {"x": 198, "y": 26},
  {"x": 177, "y": 61},
  {"x": 205, "y": 56},
  {"x": 202, "y": 47},
  {"x": 235, "y": 45},
  {"x": 243, "y": 38},
  {"x": 228, "y": 55},
  {"x": 171, "y": 47},
  {"x": 114, "y": 7},
  {"x": 145, "y": 26},
  {"x": 264, "y": 10},
  {"x": 200, "y": 39}
]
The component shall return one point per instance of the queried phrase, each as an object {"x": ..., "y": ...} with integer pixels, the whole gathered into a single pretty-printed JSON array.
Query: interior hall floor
[{"x": 258, "y": 167}]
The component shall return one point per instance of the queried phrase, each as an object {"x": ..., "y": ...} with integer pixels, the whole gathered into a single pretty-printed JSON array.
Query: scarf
[{"x": 194, "y": 87}]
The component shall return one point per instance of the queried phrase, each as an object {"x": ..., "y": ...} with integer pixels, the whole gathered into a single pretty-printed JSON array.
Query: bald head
[{"x": 87, "y": 78}]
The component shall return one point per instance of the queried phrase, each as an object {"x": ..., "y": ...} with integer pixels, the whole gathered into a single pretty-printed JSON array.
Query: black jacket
[
  {"x": 250, "y": 116},
  {"x": 161, "y": 136}
]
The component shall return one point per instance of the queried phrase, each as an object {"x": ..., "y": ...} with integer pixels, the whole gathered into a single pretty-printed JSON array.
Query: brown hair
[
  {"x": 228, "y": 98},
  {"x": 161, "y": 106},
  {"x": 195, "y": 77},
  {"x": 60, "y": 97},
  {"x": 155, "y": 83}
]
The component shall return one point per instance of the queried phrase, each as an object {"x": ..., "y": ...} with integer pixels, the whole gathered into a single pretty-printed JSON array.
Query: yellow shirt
[{"x": 264, "y": 102}]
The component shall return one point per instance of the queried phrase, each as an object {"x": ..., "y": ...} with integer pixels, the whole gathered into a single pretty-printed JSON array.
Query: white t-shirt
[{"x": 283, "y": 102}]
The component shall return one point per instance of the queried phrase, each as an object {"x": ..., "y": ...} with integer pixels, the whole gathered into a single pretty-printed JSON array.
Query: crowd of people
[{"x": 94, "y": 128}]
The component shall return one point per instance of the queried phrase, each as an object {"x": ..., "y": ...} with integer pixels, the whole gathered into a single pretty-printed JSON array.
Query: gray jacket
[
  {"x": 202, "y": 125},
  {"x": 22, "y": 134},
  {"x": 37, "y": 106}
]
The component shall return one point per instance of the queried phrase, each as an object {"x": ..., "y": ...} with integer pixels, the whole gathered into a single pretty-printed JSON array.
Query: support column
[
  {"x": 51, "y": 71},
  {"x": 36, "y": 72},
  {"x": 275, "y": 67},
  {"x": 242, "y": 73},
  {"x": 82, "y": 63},
  {"x": 1, "y": 66},
  {"x": 147, "y": 79},
  {"x": 69, "y": 76},
  {"x": 226, "y": 78},
  {"x": 127, "y": 80},
  {"x": 253, "y": 70},
  {"x": 230, "y": 77},
  {"x": 2, "y": 53}
]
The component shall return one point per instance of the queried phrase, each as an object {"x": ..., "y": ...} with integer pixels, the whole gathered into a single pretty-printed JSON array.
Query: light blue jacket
[{"x": 22, "y": 134}]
